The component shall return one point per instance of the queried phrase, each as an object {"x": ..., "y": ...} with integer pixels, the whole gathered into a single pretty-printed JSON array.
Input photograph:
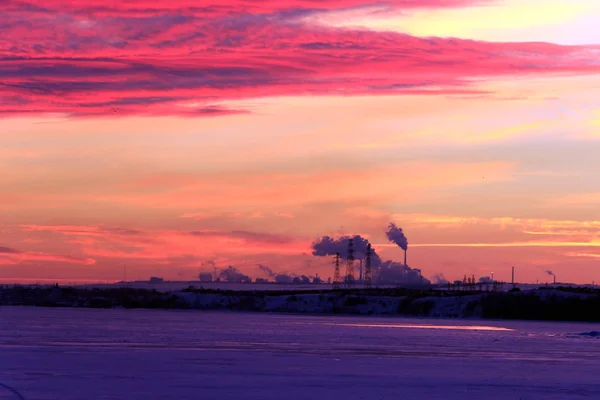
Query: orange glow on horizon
[{"x": 167, "y": 150}]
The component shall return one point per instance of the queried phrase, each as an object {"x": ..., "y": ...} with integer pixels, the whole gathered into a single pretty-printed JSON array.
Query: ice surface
[
  {"x": 591, "y": 333},
  {"x": 143, "y": 354}
]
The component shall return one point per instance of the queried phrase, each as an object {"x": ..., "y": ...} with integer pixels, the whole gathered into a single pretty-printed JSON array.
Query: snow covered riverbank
[{"x": 553, "y": 304}]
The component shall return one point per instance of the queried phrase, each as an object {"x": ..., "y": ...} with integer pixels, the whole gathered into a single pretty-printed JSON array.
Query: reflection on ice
[
  {"x": 413, "y": 326},
  {"x": 590, "y": 334},
  {"x": 74, "y": 354}
]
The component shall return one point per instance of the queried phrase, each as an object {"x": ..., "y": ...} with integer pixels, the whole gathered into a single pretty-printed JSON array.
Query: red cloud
[
  {"x": 178, "y": 63},
  {"x": 77, "y": 230},
  {"x": 213, "y": 7},
  {"x": 156, "y": 245},
  {"x": 10, "y": 256}
]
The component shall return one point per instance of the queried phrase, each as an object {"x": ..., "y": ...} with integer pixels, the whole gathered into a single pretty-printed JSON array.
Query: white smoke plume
[
  {"x": 231, "y": 274},
  {"x": 266, "y": 270},
  {"x": 396, "y": 235},
  {"x": 395, "y": 273},
  {"x": 439, "y": 279}
]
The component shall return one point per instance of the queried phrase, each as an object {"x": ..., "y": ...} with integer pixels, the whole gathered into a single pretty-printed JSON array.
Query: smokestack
[
  {"x": 330, "y": 246},
  {"x": 551, "y": 274},
  {"x": 513, "y": 276},
  {"x": 396, "y": 235}
]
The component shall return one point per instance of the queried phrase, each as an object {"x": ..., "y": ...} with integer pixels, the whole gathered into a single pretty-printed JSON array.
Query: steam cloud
[
  {"x": 395, "y": 273},
  {"x": 208, "y": 271},
  {"x": 266, "y": 270},
  {"x": 549, "y": 272},
  {"x": 396, "y": 235},
  {"x": 292, "y": 278},
  {"x": 388, "y": 272},
  {"x": 231, "y": 274},
  {"x": 285, "y": 278},
  {"x": 328, "y": 246},
  {"x": 439, "y": 279},
  {"x": 205, "y": 276},
  {"x": 210, "y": 264}
]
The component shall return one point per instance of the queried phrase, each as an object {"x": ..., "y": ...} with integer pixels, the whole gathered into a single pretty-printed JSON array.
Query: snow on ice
[{"x": 78, "y": 354}]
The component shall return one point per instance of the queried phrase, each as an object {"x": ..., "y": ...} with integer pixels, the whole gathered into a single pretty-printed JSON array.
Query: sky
[{"x": 161, "y": 136}]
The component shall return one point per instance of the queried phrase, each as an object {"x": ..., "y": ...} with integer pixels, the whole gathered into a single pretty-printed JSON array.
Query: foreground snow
[{"x": 141, "y": 354}]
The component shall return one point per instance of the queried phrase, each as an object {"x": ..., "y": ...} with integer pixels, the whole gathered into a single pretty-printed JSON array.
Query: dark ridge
[{"x": 557, "y": 304}]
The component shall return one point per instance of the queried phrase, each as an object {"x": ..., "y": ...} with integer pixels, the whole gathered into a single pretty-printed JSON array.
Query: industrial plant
[
  {"x": 356, "y": 265},
  {"x": 357, "y": 251}
]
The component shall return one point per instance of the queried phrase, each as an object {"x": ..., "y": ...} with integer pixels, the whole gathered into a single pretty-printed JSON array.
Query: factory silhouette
[{"x": 356, "y": 264}]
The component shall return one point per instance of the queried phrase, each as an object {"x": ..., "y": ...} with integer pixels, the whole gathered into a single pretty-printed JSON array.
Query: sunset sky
[{"x": 161, "y": 135}]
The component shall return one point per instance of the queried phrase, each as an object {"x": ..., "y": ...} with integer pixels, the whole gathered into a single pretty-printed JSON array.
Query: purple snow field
[{"x": 90, "y": 354}]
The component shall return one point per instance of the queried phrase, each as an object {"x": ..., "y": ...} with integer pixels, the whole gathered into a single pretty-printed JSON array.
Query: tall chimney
[
  {"x": 404, "y": 257},
  {"x": 513, "y": 276},
  {"x": 555, "y": 279}
]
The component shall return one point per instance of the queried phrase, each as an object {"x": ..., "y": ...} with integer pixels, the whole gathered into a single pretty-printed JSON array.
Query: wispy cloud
[
  {"x": 82, "y": 230},
  {"x": 583, "y": 255},
  {"x": 575, "y": 199},
  {"x": 159, "y": 245},
  {"x": 223, "y": 215},
  {"x": 11, "y": 256}
]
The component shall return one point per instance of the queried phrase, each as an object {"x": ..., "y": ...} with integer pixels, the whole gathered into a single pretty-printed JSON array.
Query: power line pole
[
  {"x": 336, "y": 272},
  {"x": 350, "y": 265}
]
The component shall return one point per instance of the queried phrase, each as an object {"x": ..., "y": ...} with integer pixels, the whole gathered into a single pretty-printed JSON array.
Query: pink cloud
[
  {"x": 81, "y": 230},
  {"x": 174, "y": 253},
  {"x": 212, "y": 7},
  {"x": 157, "y": 245},
  {"x": 170, "y": 253},
  {"x": 189, "y": 64}
]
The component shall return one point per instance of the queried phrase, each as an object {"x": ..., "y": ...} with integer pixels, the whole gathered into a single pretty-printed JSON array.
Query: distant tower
[
  {"x": 350, "y": 265},
  {"x": 368, "y": 267},
  {"x": 336, "y": 272},
  {"x": 513, "y": 276}
]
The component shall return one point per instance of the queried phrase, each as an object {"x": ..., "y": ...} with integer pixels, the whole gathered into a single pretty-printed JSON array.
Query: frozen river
[{"x": 92, "y": 354}]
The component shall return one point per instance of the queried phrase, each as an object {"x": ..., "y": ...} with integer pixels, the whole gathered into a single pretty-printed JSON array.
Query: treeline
[
  {"x": 533, "y": 306},
  {"x": 557, "y": 304},
  {"x": 91, "y": 298}
]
